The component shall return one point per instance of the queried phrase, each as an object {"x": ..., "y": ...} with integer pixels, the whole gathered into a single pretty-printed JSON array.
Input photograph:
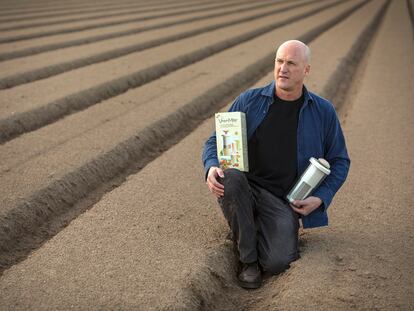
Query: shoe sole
[{"x": 250, "y": 285}]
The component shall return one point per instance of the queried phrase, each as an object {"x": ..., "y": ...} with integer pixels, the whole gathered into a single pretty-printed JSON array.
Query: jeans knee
[
  {"x": 233, "y": 175},
  {"x": 236, "y": 189},
  {"x": 233, "y": 180}
]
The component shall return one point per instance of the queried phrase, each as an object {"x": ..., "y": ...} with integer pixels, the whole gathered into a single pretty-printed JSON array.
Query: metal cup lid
[{"x": 321, "y": 164}]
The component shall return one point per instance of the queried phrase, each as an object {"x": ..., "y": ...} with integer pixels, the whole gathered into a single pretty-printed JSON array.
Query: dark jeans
[{"x": 264, "y": 226}]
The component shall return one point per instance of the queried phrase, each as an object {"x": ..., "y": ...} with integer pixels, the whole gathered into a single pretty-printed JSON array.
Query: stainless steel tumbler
[{"x": 310, "y": 179}]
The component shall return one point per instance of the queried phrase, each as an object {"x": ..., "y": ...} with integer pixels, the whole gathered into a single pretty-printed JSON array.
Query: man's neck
[{"x": 289, "y": 95}]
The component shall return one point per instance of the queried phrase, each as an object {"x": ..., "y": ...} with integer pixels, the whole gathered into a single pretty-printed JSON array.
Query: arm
[{"x": 337, "y": 156}]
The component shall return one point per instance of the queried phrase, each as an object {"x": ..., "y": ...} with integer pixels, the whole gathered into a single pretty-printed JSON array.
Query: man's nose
[{"x": 283, "y": 67}]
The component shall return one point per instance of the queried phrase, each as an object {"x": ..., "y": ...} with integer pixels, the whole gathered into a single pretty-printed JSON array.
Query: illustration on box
[
  {"x": 231, "y": 140},
  {"x": 231, "y": 151}
]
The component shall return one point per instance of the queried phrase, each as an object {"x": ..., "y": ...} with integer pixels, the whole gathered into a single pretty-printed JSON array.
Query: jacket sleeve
[
  {"x": 209, "y": 156},
  {"x": 337, "y": 156}
]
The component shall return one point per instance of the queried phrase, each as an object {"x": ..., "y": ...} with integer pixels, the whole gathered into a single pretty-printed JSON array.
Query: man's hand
[
  {"x": 215, "y": 187},
  {"x": 307, "y": 206}
]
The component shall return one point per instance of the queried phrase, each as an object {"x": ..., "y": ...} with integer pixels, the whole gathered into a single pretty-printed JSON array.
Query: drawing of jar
[{"x": 227, "y": 145}]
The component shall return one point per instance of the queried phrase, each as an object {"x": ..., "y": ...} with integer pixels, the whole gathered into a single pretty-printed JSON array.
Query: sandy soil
[
  {"x": 158, "y": 241},
  {"x": 44, "y": 91},
  {"x": 118, "y": 20},
  {"x": 37, "y": 19},
  {"x": 68, "y": 54},
  {"x": 100, "y": 31}
]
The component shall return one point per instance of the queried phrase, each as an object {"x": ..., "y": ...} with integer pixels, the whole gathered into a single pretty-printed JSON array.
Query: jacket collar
[{"x": 269, "y": 91}]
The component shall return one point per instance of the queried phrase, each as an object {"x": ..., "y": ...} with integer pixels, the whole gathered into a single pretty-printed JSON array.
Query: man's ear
[{"x": 307, "y": 70}]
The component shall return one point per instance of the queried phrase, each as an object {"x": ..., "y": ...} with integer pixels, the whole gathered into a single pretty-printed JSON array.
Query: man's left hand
[{"x": 307, "y": 206}]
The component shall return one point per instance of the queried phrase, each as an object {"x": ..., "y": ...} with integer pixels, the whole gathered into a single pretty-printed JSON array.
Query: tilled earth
[{"x": 104, "y": 111}]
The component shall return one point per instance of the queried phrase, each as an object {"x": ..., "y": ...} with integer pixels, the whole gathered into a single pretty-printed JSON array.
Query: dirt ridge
[
  {"x": 70, "y": 43},
  {"x": 66, "y": 12},
  {"x": 411, "y": 13},
  {"x": 20, "y": 123},
  {"x": 127, "y": 157},
  {"x": 218, "y": 271},
  {"x": 76, "y": 6},
  {"x": 76, "y": 11},
  {"x": 89, "y": 18},
  {"x": 45, "y": 72},
  {"x": 337, "y": 87},
  {"x": 108, "y": 24}
]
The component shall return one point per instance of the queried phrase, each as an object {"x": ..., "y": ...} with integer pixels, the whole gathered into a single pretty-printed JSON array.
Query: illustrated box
[{"x": 231, "y": 138}]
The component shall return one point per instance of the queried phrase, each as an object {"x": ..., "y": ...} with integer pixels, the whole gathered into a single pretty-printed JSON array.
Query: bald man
[{"x": 286, "y": 126}]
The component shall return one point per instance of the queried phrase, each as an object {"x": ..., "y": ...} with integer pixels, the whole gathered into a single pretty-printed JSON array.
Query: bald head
[
  {"x": 291, "y": 68},
  {"x": 299, "y": 47}
]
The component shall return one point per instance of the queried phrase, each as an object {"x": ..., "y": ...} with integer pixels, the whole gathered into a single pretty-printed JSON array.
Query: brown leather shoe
[{"x": 250, "y": 276}]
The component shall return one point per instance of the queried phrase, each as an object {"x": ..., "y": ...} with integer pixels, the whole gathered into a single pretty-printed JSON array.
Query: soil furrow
[
  {"x": 338, "y": 85},
  {"x": 410, "y": 6},
  {"x": 128, "y": 10},
  {"x": 129, "y": 154},
  {"x": 42, "y": 5},
  {"x": 116, "y": 108},
  {"x": 29, "y": 36},
  {"x": 117, "y": 34},
  {"x": 51, "y": 70},
  {"x": 17, "y": 66},
  {"x": 69, "y": 12},
  {"x": 84, "y": 5},
  {"x": 28, "y": 121},
  {"x": 91, "y": 76},
  {"x": 45, "y": 91}
]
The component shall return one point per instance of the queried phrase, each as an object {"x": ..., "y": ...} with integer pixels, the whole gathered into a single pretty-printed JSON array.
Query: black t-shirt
[{"x": 272, "y": 148}]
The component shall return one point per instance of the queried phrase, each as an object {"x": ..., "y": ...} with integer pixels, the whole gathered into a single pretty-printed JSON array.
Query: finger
[
  {"x": 293, "y": 205},
  {"x": 218, "y": 191},
  {"x": 217, "y": 187},
  {"x": 298, "y": 210},
  {"x": 218, "y": 194},
  {"x": 220, "y": 172},
  {"x": 215, "y": 183},
  {"x": 298, "y": 203}
]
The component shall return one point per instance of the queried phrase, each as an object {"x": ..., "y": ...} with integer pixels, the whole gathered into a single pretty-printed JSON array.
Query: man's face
[{"x": 290, "y": 68}]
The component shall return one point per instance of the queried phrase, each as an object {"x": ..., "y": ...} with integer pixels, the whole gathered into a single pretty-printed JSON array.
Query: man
[{"x": 286, "y": 126}]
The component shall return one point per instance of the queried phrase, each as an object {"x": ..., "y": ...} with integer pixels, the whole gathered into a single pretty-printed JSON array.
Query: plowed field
[{"x": 104, "y": 109}]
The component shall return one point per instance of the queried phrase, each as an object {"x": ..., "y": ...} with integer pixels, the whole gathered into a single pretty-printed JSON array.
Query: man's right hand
[{"x": 213, "y": 184}]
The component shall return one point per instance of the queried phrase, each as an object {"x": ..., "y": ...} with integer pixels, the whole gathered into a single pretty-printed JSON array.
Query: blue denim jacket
[{"x": 319, "y": 135}]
